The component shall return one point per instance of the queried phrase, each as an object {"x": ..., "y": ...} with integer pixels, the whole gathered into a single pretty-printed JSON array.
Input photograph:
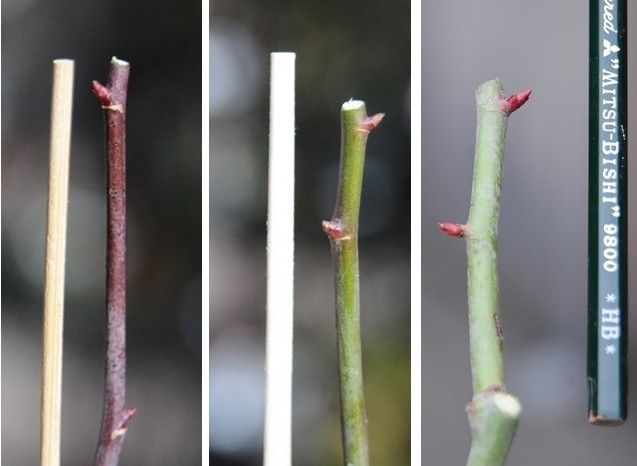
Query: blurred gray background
[
  {"x": 354, "y": 49},
  {"x": 162, "y": 41},
  {"x": 542, "y": 45}
]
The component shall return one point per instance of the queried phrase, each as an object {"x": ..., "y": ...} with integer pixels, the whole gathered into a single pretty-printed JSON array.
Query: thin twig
[
  {"x": 53, "y": 322},
  {"x": 116, "y": 415},
  {"x": 342, "y": 231},
  {"x": 493, "y": 413}
]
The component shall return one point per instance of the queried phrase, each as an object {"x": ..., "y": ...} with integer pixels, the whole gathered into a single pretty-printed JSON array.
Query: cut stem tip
[
  {"x": 118, "y": 62},
  {"x": 457, "y": 230}
]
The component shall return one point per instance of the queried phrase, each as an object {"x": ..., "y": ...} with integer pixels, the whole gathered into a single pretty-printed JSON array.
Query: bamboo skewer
[
  {"x": 53, "y": 324},
  {"x": 280, "y": 274}
]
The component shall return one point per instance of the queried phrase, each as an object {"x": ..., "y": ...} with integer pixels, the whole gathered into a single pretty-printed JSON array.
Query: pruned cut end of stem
[
  {"x": 515, "y": 101},
  {"x": 457, "y": 230},
  {"x": 353, "y": 105},
  {"x": 118, "y": 62},
  {"x": 508, "y": 405},
  {"x": 494, "y": 418}
]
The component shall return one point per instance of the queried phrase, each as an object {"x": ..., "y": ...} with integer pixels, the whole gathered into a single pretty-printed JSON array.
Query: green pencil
[{"x": 607, "y": 212}]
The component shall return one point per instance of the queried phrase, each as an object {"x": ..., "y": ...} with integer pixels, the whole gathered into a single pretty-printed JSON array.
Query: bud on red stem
[{"x": 102, "y": 93}]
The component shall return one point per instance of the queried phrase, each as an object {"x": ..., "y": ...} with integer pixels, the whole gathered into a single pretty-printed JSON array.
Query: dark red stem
[{"x": 116, "y": 415}]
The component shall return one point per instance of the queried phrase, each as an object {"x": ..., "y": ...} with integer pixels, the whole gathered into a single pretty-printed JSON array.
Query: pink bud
[
  {"x": 372, "y": 122},
  {"x": 457, "y": 230},
  {"x": 128, "y": 415},
  {"x": 512, "y": 103},
  {"x": 102, "y": 93},
  {"x": 333, "y": 229}
]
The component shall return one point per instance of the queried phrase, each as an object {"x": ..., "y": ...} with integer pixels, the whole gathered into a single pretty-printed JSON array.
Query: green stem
[
  {"x": 342, "y": 230},
  {"x": 494, "y": 419},
  {"x": 493, "y": 413},
  {"x": 493, "y": 423},
  {"x": 482, "y": 241}
]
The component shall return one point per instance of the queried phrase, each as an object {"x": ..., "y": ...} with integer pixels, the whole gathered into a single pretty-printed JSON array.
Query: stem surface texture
[
  {"x": 116, "y": 415},
  {"x": 493, "y": 413},
  {"x": 342, "y": 230}
]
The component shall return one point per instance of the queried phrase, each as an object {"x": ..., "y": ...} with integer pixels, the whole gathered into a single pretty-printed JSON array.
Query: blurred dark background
[
  {"x": 542, "y": 45},
  {"x": 354, "y": 49},
  {"x": 162, "y": 41}
]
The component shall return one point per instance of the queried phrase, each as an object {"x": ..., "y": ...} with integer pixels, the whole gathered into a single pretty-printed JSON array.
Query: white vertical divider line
[
  {"x": 416, "y": 225},
  {"x": 205, "y": 232},
  {"x": 280, "y": 268}
]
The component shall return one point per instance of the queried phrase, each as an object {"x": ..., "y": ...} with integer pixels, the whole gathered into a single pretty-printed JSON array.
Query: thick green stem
[
  {"x": 494, "y": 419},
  {"x": 342, "y": 230},
  {"x": 493, "y": 413},
  {"x": 482, "y": 241}
]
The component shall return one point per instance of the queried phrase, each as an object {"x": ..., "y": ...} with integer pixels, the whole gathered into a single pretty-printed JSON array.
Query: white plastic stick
[
  {"x": 280, "y": 279},
  {"x": 53, "y": 322}
]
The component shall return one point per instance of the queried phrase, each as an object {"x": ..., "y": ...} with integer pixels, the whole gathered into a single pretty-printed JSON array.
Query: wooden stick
[
  {"x": 280, "y": 279},
  {"x": 53, "y": 326}
]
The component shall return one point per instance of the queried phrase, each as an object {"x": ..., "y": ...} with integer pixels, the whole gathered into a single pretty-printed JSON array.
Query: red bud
[
  {"x": 102, "y": 93},
  {"x": 372, "y": 122},
  {"x": 333, "y": 229},
  {"x": 512, "y": 103},
  {"x": 456, "y": 230}
]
